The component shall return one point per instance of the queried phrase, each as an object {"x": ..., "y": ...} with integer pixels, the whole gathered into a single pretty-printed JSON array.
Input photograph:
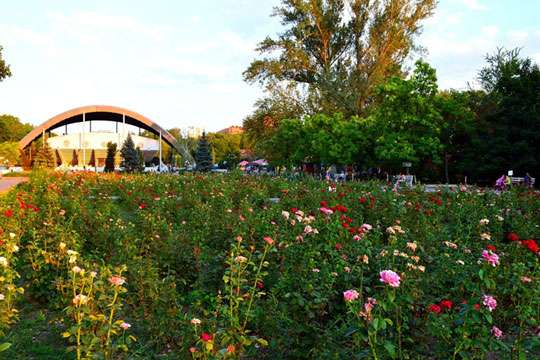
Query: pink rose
[
  {"x": 489, "y": 302},
  {"x": 490, "y": 257},
  {"x": 496, "y": 332},
  {"x": 125, "y": 325},
  {"x": 350, "y": 295},
  {"x": 116, "y": 280},
  {"x": 389, "y": 277}
]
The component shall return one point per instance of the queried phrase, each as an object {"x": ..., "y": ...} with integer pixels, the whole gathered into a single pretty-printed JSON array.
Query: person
[
  {"x": 507, "y": 181},
  {"x": 500, "y": 183},
  {"x": 527, "y": 180}
]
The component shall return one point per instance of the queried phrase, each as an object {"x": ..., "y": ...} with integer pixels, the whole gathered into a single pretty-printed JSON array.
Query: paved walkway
[{"x": 6, "y": 183}]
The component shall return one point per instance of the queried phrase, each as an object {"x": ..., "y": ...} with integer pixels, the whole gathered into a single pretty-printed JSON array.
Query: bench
[{"x": 520, "y": 180}]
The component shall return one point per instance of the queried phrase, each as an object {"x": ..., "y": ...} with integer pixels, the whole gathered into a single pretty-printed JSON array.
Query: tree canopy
[
  {"x": 5, "y": 70},
  {"x": 341, "y": 49},
  {"x": 12, "y": 129}
]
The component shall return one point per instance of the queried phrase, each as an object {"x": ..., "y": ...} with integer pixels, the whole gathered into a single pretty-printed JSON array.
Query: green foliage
[
  {"x": 263, "y": 280},
  {"x": 9, "y": 153},
  {"x": 131, "y": 158},
  {"x": 203, "y": 156},
  {"x": 226, "y": 147},
  {"x": 5, "y": 71},
  {"x": 407, "y": 123},
  {"x": 111, "y": 155},
  {"x": 508, "y": 117},
  {"x": 11, "y": 128}
]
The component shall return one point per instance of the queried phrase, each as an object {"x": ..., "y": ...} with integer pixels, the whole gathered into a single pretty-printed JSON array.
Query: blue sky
[{"x": 180, "y": 62}]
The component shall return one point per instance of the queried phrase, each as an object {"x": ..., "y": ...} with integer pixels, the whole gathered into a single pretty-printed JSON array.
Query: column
[
  {"x": 83, "y": 147},
  {"x": 160, "y": 151}
]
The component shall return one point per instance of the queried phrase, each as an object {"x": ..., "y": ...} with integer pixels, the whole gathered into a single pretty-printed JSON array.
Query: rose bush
[{"x": 214, "y": 267}]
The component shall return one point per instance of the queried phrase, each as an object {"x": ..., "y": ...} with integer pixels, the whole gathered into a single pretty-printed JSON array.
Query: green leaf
[
  {"x": 4, "y": 346},
  {"x": 390, "y": 348}
]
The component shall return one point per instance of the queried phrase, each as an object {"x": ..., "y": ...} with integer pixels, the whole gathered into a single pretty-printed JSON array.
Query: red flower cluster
[
  {"x": 491, "y": 247},
  {"x": 531, "y": 245},
  {"x": 443, "y": 305},
  {"x": 8, "y": 213},
  {"x": 512, "y": 236},
  {"x": 206, "y": 337}
]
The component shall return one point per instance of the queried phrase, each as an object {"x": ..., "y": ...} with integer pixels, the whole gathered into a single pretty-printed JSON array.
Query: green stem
[
  {"x": 252, "y": 291},
  {"x": 110, "y": 323}
]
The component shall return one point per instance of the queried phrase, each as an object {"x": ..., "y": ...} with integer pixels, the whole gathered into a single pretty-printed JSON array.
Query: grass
[{"x": 36, "y": 336}]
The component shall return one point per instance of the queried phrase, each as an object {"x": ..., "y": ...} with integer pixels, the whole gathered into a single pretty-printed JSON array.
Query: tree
[
  {"x": 131, "y": 160},
  {"x": 203, "y": 156},
  {"x": 44, "y": 158},
  {"x": 9, "y": 153},
  {"x": 11, "y": 128},
  {"x": 407, "y": 123},
  {"x": 74, "y": 158},
  {"x": 226, "y": 147},
  {"x": 5, "y": 71},
  {"x": 508, "y": 120},
  {"x": 111, "y": 154},
  {"x": 340, "y": 49},
  {"x": 92, "y": 161},
  {"x": 58, "y": 158}
]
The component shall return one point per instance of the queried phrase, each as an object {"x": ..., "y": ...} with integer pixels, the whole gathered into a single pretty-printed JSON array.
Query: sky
[{"x": 180, "y": 62}]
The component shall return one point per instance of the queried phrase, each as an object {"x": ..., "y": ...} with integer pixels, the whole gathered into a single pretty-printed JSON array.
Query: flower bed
[{"x": 211, "y": 267}]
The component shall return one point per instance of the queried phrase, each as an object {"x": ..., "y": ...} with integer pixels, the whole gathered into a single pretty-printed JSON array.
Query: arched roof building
[{"x": 103, "y": 113}]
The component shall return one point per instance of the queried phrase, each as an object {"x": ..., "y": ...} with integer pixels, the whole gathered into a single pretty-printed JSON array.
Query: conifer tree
[
  {"x": 203, "y": 156},
  {"x": 92, "y": 161},
  {"x": 44, "y": 157},
  {"x": 131, "y": 159},
  {"x": 74, "y": 158},
  {"x": 58, "y": 158},
  {"x": 111, "y": 154}
]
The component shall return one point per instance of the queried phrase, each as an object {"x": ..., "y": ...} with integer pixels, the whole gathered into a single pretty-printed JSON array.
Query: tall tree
[
  {"x": 508, "y": 136},
  {"x": 407, "y": 123},
  {"x": 203, "y": 156},
  {"x": 340, "y": 49},
  {"x": 5, "y": 71},
  {"x": 111, "y": 154},
  {"x": 131, "y": 159}
]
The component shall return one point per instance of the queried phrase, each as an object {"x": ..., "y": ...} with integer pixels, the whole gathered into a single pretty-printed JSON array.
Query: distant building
[
  {"x": 193, "y": 132},
  {"x": 232, "y": 130}
]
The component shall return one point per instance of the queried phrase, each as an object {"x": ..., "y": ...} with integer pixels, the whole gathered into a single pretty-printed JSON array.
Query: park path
[{"x": 6, "y": 183}]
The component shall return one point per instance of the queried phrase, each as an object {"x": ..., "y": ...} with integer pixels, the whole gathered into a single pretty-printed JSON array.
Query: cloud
[{"x": 474, "y": 5}]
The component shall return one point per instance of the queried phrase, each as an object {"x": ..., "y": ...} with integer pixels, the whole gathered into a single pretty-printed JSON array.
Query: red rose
[
  {"x": 476, "y": 306},
  {"x": 324, "y": 204},
  {"x": 206, "y": 337},
  {"x": 491, "y": 247},
  {"x": 447, "y": 304},
  {"x": 531, "y": 245},
  {"x": 339, "y": 246},
  {"x": 8, "y": 213},
  {"x": 434, "y": 308},
  {"x": 142, "y": 206},
  {"x": 260, "y": 285},
  {"x": 362, "y": 200},
  {"x": 294, "y": 210},
  {"x": 512, "y": 236}
]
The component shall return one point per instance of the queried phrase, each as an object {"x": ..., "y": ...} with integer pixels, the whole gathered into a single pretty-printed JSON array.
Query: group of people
[{"x": 505, "y": 182}]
